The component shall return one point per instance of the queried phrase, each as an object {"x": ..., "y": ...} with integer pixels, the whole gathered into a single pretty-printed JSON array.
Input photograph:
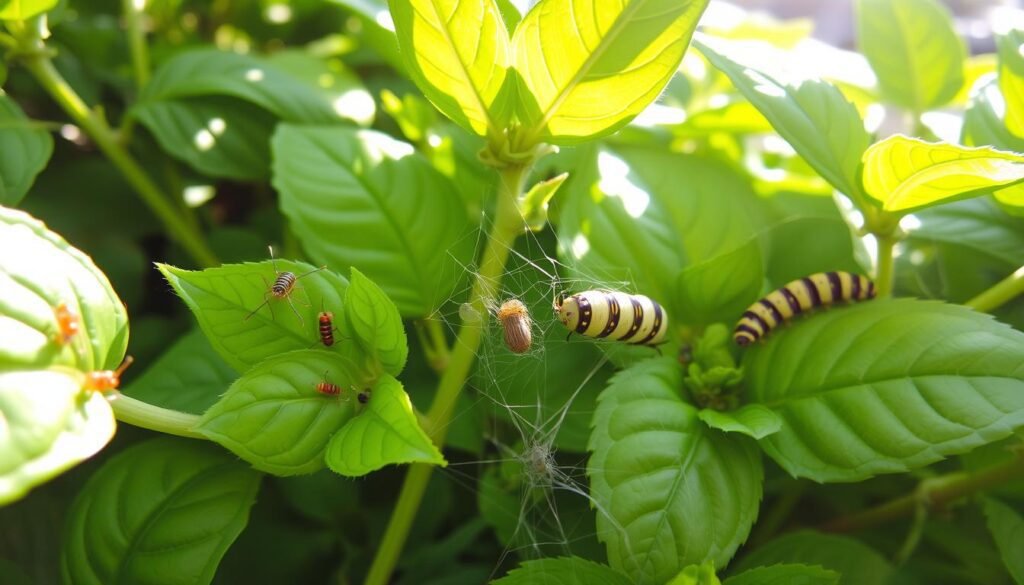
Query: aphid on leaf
[
  {"x": 800, "y": 296},
  {"x": 284, "y": 284},
  {"x": 635, "y": 319},
  {"x": 515, "y": 320},
  {"x": 68, "y": 323},
  {"x": 363, "y": 396},
  {"x": 107, "y": 380}
]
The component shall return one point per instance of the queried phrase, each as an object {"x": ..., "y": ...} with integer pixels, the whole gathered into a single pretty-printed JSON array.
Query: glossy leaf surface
[
  {"x": 275, "y": 418},
  {"x": 669, "y": 491},
  {"x": 458, "y": 53},
  {"x": 587, "y": 68},
  {"x": 905, "y": 174},
  {"x": 385, "y": 432},
  {"x": 344, "y": 188},
  {"x": 885, "y": 387}
]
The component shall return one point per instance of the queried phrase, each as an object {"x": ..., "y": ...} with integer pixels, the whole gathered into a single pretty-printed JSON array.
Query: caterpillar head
[{"x": 569, "y": 312}]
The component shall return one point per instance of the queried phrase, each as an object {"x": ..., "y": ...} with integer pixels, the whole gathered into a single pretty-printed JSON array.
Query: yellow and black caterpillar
[
  {"x": 799, "y": 296},
  {"x": 617, "y": 316}
]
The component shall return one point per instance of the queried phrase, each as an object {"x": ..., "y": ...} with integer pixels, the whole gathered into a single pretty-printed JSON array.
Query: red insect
[
  {"x": 327, "y": 388},
  {"x": 327, "y": 328},
  {"x": 68, "y": 323},
  {"x": 107, "y": 380}
]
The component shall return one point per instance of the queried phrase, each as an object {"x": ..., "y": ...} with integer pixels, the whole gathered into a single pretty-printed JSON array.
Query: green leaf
[
  {"x": 49, "y": 420},
  {"x": 886, "y": 386},
  {"x": 23, "y": 9},
  {"x": 275, "y": 418},
  {"x": 905, "y": 174},
  {"x": 46, "y": 272},
  {"x": 812, "y": 115},
  {"x": 753, "y": 420},
  {"x": 563, "y": 571},
  {"x": 336, "y": 85},
  {"x": 458, "y": 54},
  {"x": 224, "y": 299},
  {"x": 215, "y": 110},
  {"x": 49, "y": 425},
  {"x": 26, "y": 149},
  {"x": 914, "y": 50},
  {"x": 386, "y": 432},
  {"x": 343, "y": 188},
  {"x": 985, "y": 119},
  {"x": 959, "y": 250},
  {"x": 703, "y": 574},
  {"x": 855, "y": 562},
  {"x": 1011, "y": 79},
  {"x": 160, "y": 512},
  {"x": 376, "y": 324},
  {"x": 788, "y": 257},
  {"x": 534, "y": 205},
  {"x": 785, "y": 574},
  {"x": 189, "y": 376},
  {"x": 588, "y": 68},
  {"x": 638, "y": 215},
  {"x": 413, "y": 114},
  {"x": 669, "y": 491},
  {"x": 1007, "y": 527},
  {"x": 720, "y": 288}
]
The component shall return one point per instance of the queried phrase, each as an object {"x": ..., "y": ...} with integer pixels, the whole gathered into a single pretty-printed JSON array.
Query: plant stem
[
  {"x": 508, "y": 224},
  {"x": 163, "y": 420},
  {"x": 884, "y": 278},
  {"x": 435, "y": 346},
  {"x": 133, "y": 14},
  {"x": 933, "y": 493},
  {"x": 41, "y": 67},
  {"x": 1001, "y": 293}
]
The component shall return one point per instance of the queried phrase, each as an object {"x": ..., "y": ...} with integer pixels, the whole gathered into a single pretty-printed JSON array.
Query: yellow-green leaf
[
  {"x": 458, "y": 54},
  {"x": 905, "y": 173},
  {"x": 588, "y": 67}
]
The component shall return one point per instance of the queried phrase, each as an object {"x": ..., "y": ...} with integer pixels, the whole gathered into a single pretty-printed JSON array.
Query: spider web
[{"x": 531, "y": 482}]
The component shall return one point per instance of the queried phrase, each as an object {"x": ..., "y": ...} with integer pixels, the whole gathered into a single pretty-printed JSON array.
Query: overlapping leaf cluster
[{"x": 695, "y": 203}]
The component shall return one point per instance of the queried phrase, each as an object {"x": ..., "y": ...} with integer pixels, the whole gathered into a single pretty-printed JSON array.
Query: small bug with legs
[
  {"x": 515, "y": 320},
  {"x": 327, "y": 388},
  {"x": 327, "y": 328},
  {"x": 68, "y": 323},
  {"x": 284, "y": 283},
  {"x": 107, "y": 380}
]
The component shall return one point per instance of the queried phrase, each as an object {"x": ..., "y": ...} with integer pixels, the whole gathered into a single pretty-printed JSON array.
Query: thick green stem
[
  {"x": 884, "y": 276},
  {"x": 933, "y": 494},
  {"x": 508, "y": 224},
  {"x": 435, "y": 346},
  {"x": 41, "y": 67},
  {"x": 163, "y": 420},
  {"x": 1001, "y": 293}
]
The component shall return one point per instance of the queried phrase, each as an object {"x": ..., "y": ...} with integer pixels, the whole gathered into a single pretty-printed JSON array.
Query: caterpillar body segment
[
  {"x": 800, "y": 296},
  {"x": 616, "y": 316}
]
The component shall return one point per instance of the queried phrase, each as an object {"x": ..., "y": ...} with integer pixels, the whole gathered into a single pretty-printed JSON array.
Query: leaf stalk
[
  {"x": 1000, "y": 293},
  {"x": 147, "y": 416}
]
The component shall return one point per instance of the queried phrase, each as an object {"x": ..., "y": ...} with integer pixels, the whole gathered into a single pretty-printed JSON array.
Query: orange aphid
[
  {"x": 107, "y": 380},
  {"x": 68, "y": 323}
]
